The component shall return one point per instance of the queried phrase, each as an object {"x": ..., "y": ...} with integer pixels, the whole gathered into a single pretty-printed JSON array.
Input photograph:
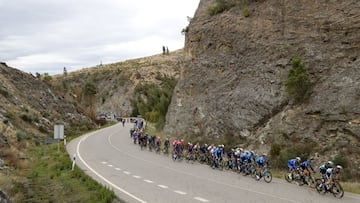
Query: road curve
[{"x": 136, "y": 175}]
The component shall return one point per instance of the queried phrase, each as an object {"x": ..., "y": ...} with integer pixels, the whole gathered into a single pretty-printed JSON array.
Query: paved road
[{"x": 109, "y": 157}]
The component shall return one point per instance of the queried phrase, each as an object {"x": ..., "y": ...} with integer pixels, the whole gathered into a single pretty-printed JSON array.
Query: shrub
[
  {"x": 246, "y": 12},
  {"x": 27, "y": 118},
  {"x": 275, "y": 149},
  {"x": 221, "y": 6},
  {"x": 279, "y": 154},
  {"x": 152, "y": 101},
  {"x": 21, "y": 135},
  {"x": 298, "y": 83}
]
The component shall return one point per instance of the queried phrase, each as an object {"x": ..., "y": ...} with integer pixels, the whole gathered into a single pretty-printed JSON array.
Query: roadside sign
[
  {"x": 51, "y": 141},
  {"x": 59, "y": 132}
]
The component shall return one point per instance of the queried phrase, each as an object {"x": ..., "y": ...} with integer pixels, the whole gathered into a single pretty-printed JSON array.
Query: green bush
[
  {"x": 152, "y": 101},
  {"x": 221, "y": 6},
  {"x": 246, "y": 12},
  {"x": 275, "y": 149},
  {"x": 280, "y": 154},
  {"x": 26, "y": 118},
  {"x": 298, "y": 84},
  {"x": 21, "y": 135}
]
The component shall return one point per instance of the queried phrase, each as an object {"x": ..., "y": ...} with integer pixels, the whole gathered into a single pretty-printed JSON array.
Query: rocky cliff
[{"x": 233, "y": 86}]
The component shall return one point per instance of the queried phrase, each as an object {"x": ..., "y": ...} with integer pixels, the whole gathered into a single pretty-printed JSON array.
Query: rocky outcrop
[
  {"x": 234, "y": 83},
  {"x": 4, "y": 198}
]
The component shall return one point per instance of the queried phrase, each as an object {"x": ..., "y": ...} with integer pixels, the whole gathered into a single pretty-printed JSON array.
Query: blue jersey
[
  {"x": 261, "y": 161},
  {"x": 218, "y": 152},
  {"x": 292, "y": 164},
  {"x": 305, "y": 164}
]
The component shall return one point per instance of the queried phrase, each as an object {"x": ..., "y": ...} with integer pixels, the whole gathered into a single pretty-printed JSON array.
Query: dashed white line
[
  {"x": 180, "y": 192},
  {"x": 201, "y": 199},
  {"x": 100, "y": 176},
  {"x": 137, "y": 177},
  {"x": 110, "y": 165},
  {"x": 127, "y": 172},
  {"x": 163, "y": 186},
  {"x": 118, "y": 169},
  {"x": 104, "y": 162},
  {"x": 148, "y": 181}
]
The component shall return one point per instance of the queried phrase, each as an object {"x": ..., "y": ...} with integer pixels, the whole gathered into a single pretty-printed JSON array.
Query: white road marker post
[{"x": 73, "y": 163}]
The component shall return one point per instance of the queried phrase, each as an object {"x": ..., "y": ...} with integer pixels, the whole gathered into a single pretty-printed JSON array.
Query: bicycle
[
  {"x": 335, "y": 188},
  {"x": 266, "y": 174}
]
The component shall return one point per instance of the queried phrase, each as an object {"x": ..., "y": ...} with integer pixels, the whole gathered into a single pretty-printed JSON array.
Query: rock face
[
  {"x": 234, "y": 83},
  {"x": 4, "y": 198}
]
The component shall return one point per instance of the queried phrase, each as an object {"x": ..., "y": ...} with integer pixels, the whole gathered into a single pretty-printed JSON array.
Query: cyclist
[
  {"x": 332, "y": 174},
  {"x": 190, "y": 148},
  {"x": 305, "y": 167},
  {"x": 260, "y": 161},
  {"x": 158, "y": 143},
  {"x": 323, "y": 168},
  {"x": 293, "y": 165},
  {"x": 166, "y": 145}
]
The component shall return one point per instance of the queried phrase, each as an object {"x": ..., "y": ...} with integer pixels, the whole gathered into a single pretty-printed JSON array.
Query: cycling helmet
[
  {"x": 298, "y": 158},
  {"x": 339, "y": 167},
  {"x": 252, "y": 152},
  {"x": 330, "y": 163}
]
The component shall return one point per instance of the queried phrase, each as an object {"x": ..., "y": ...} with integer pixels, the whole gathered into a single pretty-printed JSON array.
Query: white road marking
[
  {"x": 102, "y": 177},
  {"x": 118, "y": 169},
  {"x": 127, "y": 172},
  {"x": 148, "y": 181},
  {"x": 180, "y": 192},
  {"x": 201, "y": 199},
  {"x": 199, "y": 177},
  {"x": 163, "y": 186},
  {"x": 110, "y": 165},
  {"x": 137, "y": 177},
  {"x": 104, "y": 162}
]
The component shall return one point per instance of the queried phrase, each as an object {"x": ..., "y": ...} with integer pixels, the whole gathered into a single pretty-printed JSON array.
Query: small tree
[
  {"x": 89, "y": 93},
  {"x": 47, "y": 77},
  {"x": 298, "y": 84}
]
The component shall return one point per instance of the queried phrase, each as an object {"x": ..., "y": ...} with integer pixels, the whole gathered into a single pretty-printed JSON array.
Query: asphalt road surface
[{"x": 110, "y": 157}]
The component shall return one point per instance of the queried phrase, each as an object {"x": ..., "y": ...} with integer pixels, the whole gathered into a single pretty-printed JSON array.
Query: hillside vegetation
[{"x": 274, "y": 76}]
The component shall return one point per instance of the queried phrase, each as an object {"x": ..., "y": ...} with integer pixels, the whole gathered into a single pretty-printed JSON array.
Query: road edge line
[{"x": 102, "y": 177}]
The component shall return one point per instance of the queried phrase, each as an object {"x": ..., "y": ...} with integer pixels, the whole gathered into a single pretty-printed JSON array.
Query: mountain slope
[
  {"x": 233, "y": 89},
  {"x": 29, "y": 108}
]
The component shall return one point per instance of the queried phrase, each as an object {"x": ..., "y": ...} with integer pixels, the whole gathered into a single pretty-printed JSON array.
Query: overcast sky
[{"x": 45, "y": 36}]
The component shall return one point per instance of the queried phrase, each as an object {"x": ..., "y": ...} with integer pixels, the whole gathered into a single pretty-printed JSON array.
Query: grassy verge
[
  {"x": 353, "y": 187},
  {"x": 49, "y": 178}
]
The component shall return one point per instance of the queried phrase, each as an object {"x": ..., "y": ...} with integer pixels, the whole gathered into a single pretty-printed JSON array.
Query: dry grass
[{"x": 353, "y": 187}]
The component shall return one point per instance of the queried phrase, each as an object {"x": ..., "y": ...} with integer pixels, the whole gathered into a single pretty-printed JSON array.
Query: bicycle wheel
[
  {"x": 267, "y": 176},
  {"x": 337, "y": 190},
  {"x": 253, "y": 173},
  {"x": 311, "y": 182},
  {"x": 287, "y": 178},
  {"x": 319, "y": 186}
]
